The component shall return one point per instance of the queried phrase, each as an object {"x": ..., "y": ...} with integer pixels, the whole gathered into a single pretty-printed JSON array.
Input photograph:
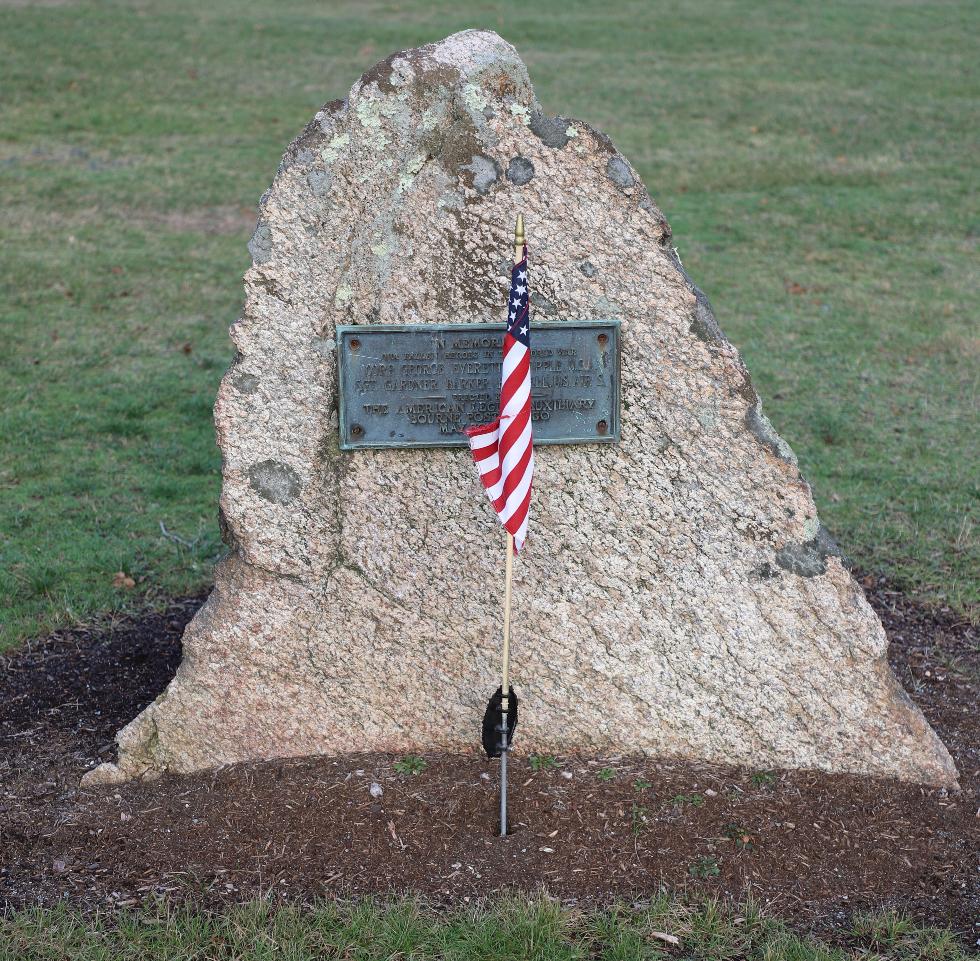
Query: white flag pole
[{"x": 508, "y": 580}]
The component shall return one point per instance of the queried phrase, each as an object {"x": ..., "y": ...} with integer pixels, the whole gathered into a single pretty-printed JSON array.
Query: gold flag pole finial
[{"x": 519, "y": 239}]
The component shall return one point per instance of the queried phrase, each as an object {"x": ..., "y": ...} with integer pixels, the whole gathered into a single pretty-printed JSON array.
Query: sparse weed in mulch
[
  {"x": 639, "y": 815},
  {"x": 763, "y": 779},
  {"x": 739, "y": 836},
  {"x": 640, "y": 784},
  {"x": 410, "y": 764},
  {"x": 704, "y": 867},
  {"x": 606, "y": 774},
  {"x": 682, "y": 800},
  {"x": 542, "y": 762}
]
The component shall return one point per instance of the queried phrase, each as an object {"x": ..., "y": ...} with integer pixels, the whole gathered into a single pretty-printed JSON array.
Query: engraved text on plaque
[{"x": 418, "y": 386}]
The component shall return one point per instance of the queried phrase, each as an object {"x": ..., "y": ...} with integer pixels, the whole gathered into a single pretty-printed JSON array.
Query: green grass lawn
[
  {"x": 508, "y": 930},
  {"x": 817, "y": 163}
]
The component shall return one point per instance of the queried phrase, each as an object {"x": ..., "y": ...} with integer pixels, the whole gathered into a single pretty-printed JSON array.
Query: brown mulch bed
[{"x": 815, "y": 847}]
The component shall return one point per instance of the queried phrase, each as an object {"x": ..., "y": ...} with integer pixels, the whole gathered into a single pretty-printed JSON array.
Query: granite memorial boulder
[{"x": 678, "y": 595}]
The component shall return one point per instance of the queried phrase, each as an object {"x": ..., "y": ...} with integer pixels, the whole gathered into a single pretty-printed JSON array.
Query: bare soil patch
[{"x": 815, "y": 847}]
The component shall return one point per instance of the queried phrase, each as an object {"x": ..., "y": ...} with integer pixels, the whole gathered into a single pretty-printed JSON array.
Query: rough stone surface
[{"x": 677, "y": 595}]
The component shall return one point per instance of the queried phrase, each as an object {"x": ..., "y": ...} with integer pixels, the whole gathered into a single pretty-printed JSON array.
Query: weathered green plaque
[{"x": 420, "y": 385}]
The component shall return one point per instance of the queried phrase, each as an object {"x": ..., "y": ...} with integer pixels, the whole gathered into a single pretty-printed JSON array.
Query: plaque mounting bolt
[
  {"x": 602, "y": 427},
  {"x": 356, "y": 430}
]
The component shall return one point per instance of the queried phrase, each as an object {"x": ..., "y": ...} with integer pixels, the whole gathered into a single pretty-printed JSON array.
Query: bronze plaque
[{"x": 420, "y": 385}]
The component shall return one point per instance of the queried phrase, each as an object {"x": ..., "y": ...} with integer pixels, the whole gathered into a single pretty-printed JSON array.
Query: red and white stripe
[{"x": 503, "y": 449}]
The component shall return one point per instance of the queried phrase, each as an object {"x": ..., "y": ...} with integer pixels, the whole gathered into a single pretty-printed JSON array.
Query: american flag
[{"x": 502, "y": 449}]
